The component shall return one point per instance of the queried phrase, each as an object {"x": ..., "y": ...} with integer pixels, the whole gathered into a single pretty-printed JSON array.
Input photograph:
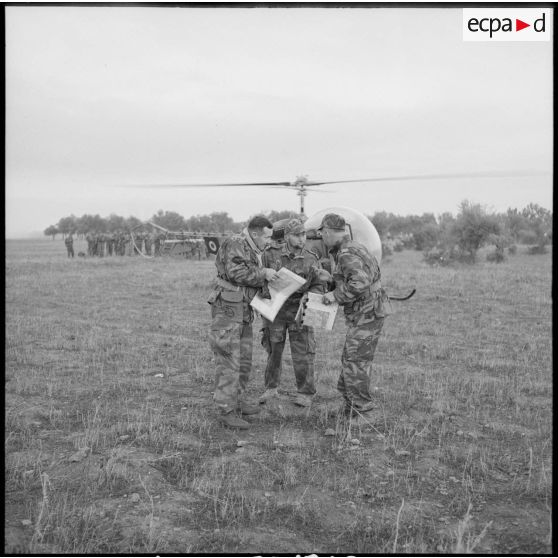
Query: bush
[
  {"x": 497, "y": 256},
  {"x": 386, "y": 250},
  {"x": 441, "y": 256},
  {"x": 500, "y": 242},
  {"x": 533, "y": 250},
  {"x": 472, "y": 229},
  {"x": 527, "y": 237},
  {"x": 426, "y": 238}
]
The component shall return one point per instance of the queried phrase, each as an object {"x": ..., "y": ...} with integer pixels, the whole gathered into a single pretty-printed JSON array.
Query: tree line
[
  {"x": 447, "y": 237},
  {"x": 458, "y": 236},
  {"x": 216, "y": 222}
]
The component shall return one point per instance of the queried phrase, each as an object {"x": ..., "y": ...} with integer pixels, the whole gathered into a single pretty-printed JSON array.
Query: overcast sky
[{"x": 98, "y": 98}]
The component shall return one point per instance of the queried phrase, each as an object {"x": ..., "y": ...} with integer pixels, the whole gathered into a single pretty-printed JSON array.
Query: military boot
[
  {"x": 247, "y": 408},
  {"x": 233, "y": 421}
]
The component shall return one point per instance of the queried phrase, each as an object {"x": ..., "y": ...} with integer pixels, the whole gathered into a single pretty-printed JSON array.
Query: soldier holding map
[
  {"x": 358, "y": 289},
  {"x": 292, "y": 255},
  {"x": 240, "y": 275}
]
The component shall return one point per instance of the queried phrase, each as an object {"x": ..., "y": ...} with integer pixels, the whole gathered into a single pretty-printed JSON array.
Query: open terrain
[{"x": 111, "y": 442}]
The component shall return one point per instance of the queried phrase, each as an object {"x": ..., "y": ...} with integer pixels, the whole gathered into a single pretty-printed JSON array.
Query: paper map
[
  {"x": 317, "y": 314},
  {"x": 280, "y": 289}
]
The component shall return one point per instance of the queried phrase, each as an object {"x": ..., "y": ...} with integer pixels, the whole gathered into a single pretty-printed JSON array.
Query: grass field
[{"x": 112, "y": 444}]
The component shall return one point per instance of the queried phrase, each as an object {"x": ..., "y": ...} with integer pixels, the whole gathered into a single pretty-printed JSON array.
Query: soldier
[
  {"x": 157, "y": 244},
  {"x": 239, "y": 276},
  {"x": 123, "y": 238},
  {"x": 101, "y": 245},
  {"x": 109, "y": 241},
  {"x": 148, "y": 242},
  {"x": 69, "y": 242},
  {"x": 358, "y": 289},
  {"x": 96, "y": 243},
  {"x": 118, "y": 243},
  {"x": 293, "y": 255},
  {"x": 90, "y": 243},
  {"x": 129, "y": 244},
  {"x": 198, "y": 248}
]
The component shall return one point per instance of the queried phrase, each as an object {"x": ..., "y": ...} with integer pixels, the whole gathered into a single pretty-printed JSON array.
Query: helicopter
[
  {"x": 359, "y": 226},
  {"x": 303, "y": 185}
]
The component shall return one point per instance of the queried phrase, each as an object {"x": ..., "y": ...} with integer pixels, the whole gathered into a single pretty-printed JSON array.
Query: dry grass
[{"x": 103, "y": 455}]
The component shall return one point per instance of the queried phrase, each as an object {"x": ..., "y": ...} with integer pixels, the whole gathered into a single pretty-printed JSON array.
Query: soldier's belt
[
  {"x": 369, "y": 298},
  {"x": 226, "y": 285},
  {"x": 373, "y": 291}
]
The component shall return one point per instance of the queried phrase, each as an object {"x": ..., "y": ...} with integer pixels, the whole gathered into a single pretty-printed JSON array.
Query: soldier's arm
[
  {"x": 318, "y": 278},
  {"x": 240, "y": 269},
  {"x": 356, "y": 281}
]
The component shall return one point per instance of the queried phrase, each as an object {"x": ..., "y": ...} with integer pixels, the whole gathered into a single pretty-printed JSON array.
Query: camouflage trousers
[
  {"x": 231, "y": 342},
  {"x": 358, "y": 353},
  {"x": 303, "y": 351}
]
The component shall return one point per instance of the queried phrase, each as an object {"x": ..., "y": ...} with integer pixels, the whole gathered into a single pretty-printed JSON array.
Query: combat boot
[
  {"x": 232, "y": 421},
  {"x": 247, "y": 408}
]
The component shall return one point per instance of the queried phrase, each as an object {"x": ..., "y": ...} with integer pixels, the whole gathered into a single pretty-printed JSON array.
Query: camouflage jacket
[
  {"x": 305, "y": 264},
  {"x": 238, "y": 262},
  {"x": 356, "y": 274}
]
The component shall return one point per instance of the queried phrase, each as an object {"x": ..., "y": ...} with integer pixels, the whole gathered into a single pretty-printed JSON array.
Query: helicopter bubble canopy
[{"x": 358, "y": 226}]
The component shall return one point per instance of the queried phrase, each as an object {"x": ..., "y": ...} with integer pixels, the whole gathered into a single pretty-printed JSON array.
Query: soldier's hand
[
  {"x": 270, "y": 274},
  {"x": 328, "y": 298},
  {"x": 324, "y": 276}
]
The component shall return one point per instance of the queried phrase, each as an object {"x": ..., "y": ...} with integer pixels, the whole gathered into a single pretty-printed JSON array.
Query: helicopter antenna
[{"x": 300, "y": 184}]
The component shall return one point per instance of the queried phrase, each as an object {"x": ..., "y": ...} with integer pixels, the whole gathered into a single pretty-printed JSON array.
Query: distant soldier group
[
  {"x": 108, "y": 244},
  {"x": 125, "y": 243}
]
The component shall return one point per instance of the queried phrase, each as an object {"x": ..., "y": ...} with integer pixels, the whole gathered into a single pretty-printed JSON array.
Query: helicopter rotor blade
[
  {"x": 489, "y": 174},
  {"x": 298, "y": 188},
  {"x": 307, "y": 185},
  {"x": 224, "y": 185}
]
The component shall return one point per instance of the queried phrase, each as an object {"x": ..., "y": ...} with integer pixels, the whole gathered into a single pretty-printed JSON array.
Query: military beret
[
  {"x": 294, "y": 226},
  {"x": 332, "y": 221}
]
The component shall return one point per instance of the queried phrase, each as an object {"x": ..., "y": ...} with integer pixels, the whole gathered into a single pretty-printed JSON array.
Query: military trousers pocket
[
  {"x": 221, "y": 338},
  {"x": 230, "y": 305},
  {"x": 360, "y": 343},
  {"x": 310, "y": 341}
]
